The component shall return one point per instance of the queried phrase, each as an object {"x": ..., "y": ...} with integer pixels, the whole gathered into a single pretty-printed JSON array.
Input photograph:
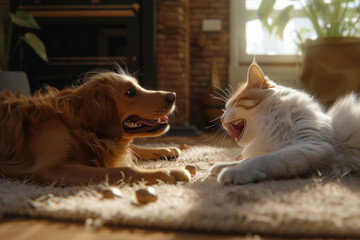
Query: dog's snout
[{"x": 170, "y": 98}]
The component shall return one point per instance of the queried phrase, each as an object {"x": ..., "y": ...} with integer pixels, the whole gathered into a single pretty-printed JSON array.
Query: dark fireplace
[{"x": 90, "y": 35}]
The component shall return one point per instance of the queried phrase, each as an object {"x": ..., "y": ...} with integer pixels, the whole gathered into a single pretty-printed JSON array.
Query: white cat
[{"x": 285, "y": 132}]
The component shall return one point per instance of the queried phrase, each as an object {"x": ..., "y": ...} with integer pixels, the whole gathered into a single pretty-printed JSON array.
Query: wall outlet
[{"x": 211, "y": 25}]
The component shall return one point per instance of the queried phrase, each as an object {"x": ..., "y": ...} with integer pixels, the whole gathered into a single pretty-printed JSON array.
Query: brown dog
[{"x": 82, "y": 135}]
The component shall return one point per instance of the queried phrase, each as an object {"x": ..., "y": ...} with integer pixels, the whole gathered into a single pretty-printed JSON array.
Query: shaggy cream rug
[{"x": 305, "y": 207}]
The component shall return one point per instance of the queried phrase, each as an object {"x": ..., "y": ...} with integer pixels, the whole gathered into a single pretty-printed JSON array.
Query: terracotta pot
[{"x": 331, "y": 67}]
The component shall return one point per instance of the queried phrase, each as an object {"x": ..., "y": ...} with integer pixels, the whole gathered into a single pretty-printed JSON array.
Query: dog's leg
[
  {"x": 155, "y": 153},
  {"x": 53, "y": 147},
  {"x": 71, "y": 174}
]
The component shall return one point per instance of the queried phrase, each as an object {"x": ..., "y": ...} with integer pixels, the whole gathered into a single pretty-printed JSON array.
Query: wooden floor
[{"x": 41, "y": 229}]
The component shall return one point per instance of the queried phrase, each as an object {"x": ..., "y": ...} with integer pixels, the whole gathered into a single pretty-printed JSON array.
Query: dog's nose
[{"x": 170, "y": 98}]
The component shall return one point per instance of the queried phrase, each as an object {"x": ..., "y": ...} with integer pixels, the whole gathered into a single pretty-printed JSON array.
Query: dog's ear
[{"x": 98, "y": 112}]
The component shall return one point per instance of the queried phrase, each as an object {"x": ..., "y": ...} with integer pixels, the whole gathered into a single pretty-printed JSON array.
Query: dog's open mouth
[
  {"x": 236, "y": 129},
  {"x": 136, "y": 124}
]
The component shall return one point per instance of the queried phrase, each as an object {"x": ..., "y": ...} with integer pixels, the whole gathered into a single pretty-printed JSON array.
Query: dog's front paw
[
  {"x": 239, "y": 175},
  {"x": 166, "y": 175},
  {"x": 172, "y": 152},
  {"x": 164, "y": 153},
  {"x": 180, "y": 174}
]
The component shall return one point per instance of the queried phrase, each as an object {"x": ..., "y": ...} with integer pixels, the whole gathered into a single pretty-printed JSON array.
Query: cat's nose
[{"x": 222, "y": 119}]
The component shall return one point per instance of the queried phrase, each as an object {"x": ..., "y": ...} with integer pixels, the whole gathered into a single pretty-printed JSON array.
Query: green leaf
[
  {"x": 282, "y": 20},
  {"x": 323, "y": 10},
  {"x": 347, "y": 1},
  {"x": 311, "y": 13},
  {"x": 36, "y": 44},
  {"x": 265, "y": 9},
  {"x": 24, "y": 19}
]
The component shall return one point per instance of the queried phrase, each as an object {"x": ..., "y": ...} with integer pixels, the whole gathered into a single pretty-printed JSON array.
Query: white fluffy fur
[{"x": 292, "y": 135}]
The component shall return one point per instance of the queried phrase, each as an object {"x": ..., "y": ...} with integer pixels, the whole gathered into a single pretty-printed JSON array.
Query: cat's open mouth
[{"x": 236, "y": 129}]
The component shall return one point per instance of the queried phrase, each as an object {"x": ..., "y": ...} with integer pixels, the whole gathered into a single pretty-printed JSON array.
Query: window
[
  {"x": 255, "y": 40},
  {"x": 248, "y": 39},
  {"x": 260, "y": 42},
  {"x": 278, "y": 58}
]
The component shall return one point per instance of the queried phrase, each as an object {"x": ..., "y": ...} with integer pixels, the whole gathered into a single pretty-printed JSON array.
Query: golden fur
[
  {"x": 250, "y": 95},
  {"x": 78, "y": 136}
]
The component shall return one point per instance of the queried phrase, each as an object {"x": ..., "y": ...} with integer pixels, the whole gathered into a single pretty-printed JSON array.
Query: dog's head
[{"x": 116, "y": 106}]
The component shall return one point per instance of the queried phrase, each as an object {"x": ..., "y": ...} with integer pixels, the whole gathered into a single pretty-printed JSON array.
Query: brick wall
[
  {"x": 204, "y": 48},
  {"x": 171, "y": 52}
]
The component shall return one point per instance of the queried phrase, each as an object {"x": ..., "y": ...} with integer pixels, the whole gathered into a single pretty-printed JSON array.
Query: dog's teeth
[{"x": 130, "y": 124}]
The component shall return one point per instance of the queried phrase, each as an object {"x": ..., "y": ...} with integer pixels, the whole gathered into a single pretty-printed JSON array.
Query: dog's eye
[{"x": 131, "y": 92}]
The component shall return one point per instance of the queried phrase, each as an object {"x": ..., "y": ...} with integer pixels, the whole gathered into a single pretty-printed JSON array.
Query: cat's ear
[{"x": 256, "y": 77}]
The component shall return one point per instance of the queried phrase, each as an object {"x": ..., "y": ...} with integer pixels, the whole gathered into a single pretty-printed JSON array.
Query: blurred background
[{"x": 194, "y": 48}]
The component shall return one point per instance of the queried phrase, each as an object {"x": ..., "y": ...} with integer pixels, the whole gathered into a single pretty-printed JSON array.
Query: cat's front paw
[
  {"x": 239, "y": 175},
  {"x": 216, "y": 169}
]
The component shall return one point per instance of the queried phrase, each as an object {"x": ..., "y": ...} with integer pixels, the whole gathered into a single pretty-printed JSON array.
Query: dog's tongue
[
  {"x": 147, "y": 122},
  {"x": 234, "y": 130},
  {"x": 143, "y": 121}
]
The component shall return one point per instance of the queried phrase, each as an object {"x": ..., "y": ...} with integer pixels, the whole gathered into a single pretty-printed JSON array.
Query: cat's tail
[{"x": 345, "y": 114}]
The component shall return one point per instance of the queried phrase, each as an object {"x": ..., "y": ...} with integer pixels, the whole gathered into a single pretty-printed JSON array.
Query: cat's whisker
[
  {"x": 221, "y": 94},
  {"x": 215, "y": 122},
  {"x": 215, "y": 139},
  {"x": 221, "y": 98},
  {"x": 213, "y": 126},
  {"x": 215, "y": 119},
  {"x": 222, "y": 138},
  {"x": 219, "y": 134},
  {"x": 217, "y": 98},
  {"x": 215, "y": 129},
  {"x": 231, "y": 90},
  {"x": 225, "y": 92}
]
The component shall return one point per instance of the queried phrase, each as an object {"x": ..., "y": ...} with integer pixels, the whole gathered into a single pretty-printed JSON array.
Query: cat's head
[{"x": 240, "y": 118}]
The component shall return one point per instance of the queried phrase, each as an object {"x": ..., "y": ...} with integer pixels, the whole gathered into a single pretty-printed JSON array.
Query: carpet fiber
[{"x": 295, "y": 207}]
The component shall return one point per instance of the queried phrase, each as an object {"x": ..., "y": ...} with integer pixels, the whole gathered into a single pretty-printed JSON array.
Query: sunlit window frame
[{"x": 239, "y": 16}]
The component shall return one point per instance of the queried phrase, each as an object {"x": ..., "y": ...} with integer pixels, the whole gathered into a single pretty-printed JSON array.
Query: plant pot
[
  {"x": 331, "y": 67},
  {"x": 16, "y": 81}
]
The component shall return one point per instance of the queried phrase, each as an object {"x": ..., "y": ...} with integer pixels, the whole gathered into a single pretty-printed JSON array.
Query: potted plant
[
  {"x": 330, "y": 62},
  {"x": 14, "y": 79}
]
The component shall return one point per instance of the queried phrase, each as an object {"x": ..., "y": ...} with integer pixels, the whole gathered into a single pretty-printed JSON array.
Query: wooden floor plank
[{"x": 43, "y": 229}]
